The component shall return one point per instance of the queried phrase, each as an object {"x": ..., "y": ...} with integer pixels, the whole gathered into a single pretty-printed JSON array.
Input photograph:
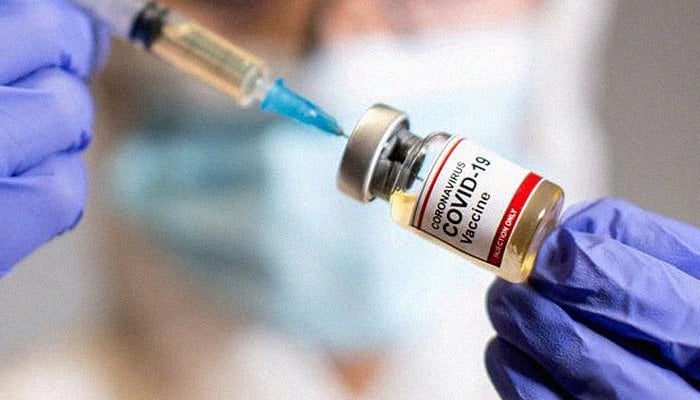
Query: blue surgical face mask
[
  {"x": 473, "y": 83},
  {"x": 253, "y": 211}
]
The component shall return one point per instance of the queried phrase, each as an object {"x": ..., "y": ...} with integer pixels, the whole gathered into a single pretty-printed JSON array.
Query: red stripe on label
[
  {"x": 432, "y": 183},
  {"x": 510, "y": 217}
]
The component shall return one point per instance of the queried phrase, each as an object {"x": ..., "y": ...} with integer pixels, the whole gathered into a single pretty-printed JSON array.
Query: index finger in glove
[
  {"x": 582, "y": 361},
  {"x": 517, "y": 376},
  {"x": 39, "y": 205},
  {"x": 672, "y": 241},
  {"x": 47, "y": 33},
  {"x": 47, "y": 113},
  {"x": 629, "y": 294},
  {"x": 632, "y": 297}
]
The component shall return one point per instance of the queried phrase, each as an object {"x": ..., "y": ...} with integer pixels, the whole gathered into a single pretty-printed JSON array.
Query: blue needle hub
[{"x": 287, "y": 103}]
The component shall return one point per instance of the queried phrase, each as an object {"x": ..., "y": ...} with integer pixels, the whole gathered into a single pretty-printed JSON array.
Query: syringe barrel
[
  {"x": 186, "y": 45},
  {"x": 207, "y": 56}
]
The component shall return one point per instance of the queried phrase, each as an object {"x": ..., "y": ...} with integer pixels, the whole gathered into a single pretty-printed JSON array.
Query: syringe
[{"x": 196, "y": 50}]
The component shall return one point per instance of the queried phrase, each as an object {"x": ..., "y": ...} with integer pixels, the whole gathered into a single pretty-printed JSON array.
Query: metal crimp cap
[{"x": 365, "y": 146}]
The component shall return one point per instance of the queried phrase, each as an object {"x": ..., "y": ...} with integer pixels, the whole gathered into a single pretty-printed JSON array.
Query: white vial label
[{"x": 472, "y": 199}]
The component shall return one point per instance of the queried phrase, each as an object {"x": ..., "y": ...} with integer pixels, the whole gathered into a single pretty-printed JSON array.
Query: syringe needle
[
  {"x": 194, "y": 49},
  {"x": 283, "y": 101}
]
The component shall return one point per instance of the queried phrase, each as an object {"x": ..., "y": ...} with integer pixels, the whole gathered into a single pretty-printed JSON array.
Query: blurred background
[{"x": 216, "y": 259}]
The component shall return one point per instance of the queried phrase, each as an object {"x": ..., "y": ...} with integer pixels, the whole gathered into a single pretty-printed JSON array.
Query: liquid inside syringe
[{"x": 194, "y": 49}]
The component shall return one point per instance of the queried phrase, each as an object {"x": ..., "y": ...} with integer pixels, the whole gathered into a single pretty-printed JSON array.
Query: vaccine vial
[{"x": 451, "y": 191}]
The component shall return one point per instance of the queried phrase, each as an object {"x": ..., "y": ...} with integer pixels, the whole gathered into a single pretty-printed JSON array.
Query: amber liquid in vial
[{"x": 538, "y": 218}]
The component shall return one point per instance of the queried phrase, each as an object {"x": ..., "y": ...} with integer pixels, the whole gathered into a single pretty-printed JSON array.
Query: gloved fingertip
[
  {"x": 495, "y": 292},
  {"x": 517, "y": 376},
  {"x": 586, "y": 217},
  {"x": 507, "y": 303},
  {"x": 99, "y": 33},
  {"x": 603, "y": 217},
  {"x": 556, "y": 258},
  {"x": 497, "y": 369},
  {"x": 72, "y": 225},
  {"x": 493, "y": 360},
  {"x": 82, "y": 41},
  {"x": 4, "y": 270},
  {"x": 102, "y": 47},
  {"x": 83, "y": 142},
  {"x": 65, "y": 184}
]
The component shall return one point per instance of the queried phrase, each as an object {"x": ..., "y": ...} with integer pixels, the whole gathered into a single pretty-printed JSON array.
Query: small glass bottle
[{"x": 451, "y": 191}]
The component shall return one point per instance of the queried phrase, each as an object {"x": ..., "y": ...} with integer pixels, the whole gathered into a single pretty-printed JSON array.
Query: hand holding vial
[{"x": 610, "y": 311}]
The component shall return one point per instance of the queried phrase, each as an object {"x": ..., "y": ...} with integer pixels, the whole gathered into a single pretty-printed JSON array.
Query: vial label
[{"x": 472, "y": 199}]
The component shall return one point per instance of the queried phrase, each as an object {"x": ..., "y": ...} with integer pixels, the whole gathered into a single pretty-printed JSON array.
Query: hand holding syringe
[{"x": 194, "y": 49}]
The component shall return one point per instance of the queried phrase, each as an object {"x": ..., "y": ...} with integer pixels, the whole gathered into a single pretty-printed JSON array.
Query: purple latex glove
[
  {"x": 612, "y": 311},
  {"x": 48, "y": 49}
]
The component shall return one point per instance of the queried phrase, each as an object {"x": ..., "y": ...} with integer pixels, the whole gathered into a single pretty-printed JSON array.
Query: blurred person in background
[{"x": 237, "y": 269}]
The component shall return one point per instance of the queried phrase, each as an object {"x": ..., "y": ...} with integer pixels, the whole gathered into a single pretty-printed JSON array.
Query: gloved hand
[
  {"x": 612, "y": 311},
  {"x": 48, "y": 48}
]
